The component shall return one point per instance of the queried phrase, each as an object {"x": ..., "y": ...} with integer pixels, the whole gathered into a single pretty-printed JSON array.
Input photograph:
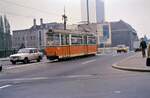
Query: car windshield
[
  {"x": 120, "y": 46},
  {"x": 23, "y": 51}
]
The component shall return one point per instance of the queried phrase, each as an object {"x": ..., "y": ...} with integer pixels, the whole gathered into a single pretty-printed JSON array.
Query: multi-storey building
[
  {"x": 100, "y": 11},
  {"x": 34, "y": 37},
  {"x": 123, "y": 33},
  {"x": 94, "y": 10},
  {"x": 105, "y": 38}
]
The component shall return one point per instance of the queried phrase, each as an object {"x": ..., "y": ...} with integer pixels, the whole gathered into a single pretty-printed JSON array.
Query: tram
[{"x": 66, "y": 44}]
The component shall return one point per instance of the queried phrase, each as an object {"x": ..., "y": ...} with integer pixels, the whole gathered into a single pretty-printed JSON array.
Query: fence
[
  {"x": 107, "y": 50},
  {"x": 6, "y": 53}
]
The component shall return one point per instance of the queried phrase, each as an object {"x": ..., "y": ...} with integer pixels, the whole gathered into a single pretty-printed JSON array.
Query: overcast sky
[{"x": 21, "y": 12}]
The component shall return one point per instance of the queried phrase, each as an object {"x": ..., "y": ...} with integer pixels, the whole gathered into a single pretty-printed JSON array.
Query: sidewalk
[
  {"x": 4, "y": 59},
  {"x": 133, "y": 63}
]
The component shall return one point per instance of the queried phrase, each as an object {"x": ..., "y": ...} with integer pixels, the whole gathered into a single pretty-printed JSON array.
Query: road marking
[
  {"x": 5, "y": 86},
  {"x": 24, "y": 79},
  {"x": 77, "y": 76},
  {"x": 86, "y": 62},
  {"x": 20, "y": 66},
  {"x": 117, "y": 92},
  {"x": 19, "y": 80}
]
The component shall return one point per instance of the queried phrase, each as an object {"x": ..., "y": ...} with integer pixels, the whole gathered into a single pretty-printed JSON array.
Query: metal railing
[
  {"x": 108, "y": 50},
  {"x": 6, "y": 53}
]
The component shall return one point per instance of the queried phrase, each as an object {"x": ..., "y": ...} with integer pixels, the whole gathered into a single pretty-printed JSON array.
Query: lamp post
[
  {"x": 88, "y": 18},
  {"x": 65, "y": 19}
]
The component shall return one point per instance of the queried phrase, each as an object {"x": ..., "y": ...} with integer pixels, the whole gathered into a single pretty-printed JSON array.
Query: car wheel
[
  {"x": 25, "y": 61},
  {"x": 13, "y": 62},
  {"x": 39, "y": 59},
  {"x": 118, "y": 51}
]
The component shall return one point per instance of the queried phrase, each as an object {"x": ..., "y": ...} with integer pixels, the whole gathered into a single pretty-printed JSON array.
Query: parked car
[
  {"x": 122, "y": 48},
  {"x": 26, "y": 55}
]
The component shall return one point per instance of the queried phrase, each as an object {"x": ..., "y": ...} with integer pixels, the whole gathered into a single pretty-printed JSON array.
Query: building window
[
  {"x": 34, "y": 37},
  {"x": 40, "y": 38},
  {"x": 106, "y": 31},
  {"x": 23, "y": 38}
]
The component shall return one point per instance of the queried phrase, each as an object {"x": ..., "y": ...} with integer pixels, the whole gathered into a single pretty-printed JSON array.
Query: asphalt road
[{"x": 88, "y": 77}]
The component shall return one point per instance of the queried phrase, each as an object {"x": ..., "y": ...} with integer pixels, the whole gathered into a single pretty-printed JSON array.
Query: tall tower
[
  {"x": 100, "y": 11},
  {"x": 93, "y": 8}
]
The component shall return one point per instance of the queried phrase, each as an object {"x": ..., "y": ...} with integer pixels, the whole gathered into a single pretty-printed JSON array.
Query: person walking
[
  {"x": 143, "y": 46},
  {"x": 148, "y": 56}
]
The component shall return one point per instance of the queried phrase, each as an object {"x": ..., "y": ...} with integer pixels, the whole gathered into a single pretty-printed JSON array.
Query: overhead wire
[
  {"x": 29, "y": 7},
  {"x": 15, "y": 14}
]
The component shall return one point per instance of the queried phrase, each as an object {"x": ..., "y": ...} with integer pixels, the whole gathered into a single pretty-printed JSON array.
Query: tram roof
[{"x": 69, "y": 32}]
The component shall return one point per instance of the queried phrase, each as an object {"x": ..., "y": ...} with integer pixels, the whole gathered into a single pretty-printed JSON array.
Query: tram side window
[
  {"x": 91, "y": 40},
  {"x": 76, "y": 40},
  {"x": 53, "y": 39},
  {"x": 64, "y": 39}
]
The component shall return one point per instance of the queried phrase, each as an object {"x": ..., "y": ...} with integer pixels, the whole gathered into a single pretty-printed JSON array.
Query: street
[{"x": 86, "y": 77}]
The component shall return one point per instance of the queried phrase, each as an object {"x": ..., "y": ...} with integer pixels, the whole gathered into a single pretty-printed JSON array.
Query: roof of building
[
  {"x": 88, "y": 27},
  {"x": 53, "y": 25},
  {"x": 121, "y": 26}
]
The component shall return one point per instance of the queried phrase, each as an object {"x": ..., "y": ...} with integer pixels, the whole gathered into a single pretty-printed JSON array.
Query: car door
[
  {"x": 31, "y": 55},
  {"x": 36, "y": 55}
]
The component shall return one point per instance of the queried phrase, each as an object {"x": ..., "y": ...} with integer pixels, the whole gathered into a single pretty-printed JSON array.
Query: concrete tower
[{"x": 94, "y": 10}]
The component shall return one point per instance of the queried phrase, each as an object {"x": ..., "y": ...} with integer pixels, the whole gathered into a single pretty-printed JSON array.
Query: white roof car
[{"x": 25, "y": 55}]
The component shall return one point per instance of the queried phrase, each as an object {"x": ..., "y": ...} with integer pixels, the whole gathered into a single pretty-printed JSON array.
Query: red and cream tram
[{"x": 66, "y": 43}]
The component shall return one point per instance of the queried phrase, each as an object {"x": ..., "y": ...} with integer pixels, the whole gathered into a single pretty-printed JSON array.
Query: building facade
[
  {"x": 34, "y": 37},
  {"x": 100, "y": 11},
  {"x": 95, "y": 9},
  {"x": 104, "y": 34},
  {"x": 123, "y": 33}
]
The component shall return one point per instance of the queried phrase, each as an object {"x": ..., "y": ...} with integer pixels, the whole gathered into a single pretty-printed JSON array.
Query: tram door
[
  {"x": 85, "y": 45},
  {"x": 65, "y": 45}
]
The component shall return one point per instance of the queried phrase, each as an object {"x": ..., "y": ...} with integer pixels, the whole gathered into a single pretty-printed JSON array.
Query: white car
[{"x": 25, "y": 55}]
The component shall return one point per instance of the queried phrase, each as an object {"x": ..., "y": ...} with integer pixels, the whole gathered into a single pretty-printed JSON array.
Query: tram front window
[
  {"x": 53, "y": 39},
  {"x": 64, "y": 39}
]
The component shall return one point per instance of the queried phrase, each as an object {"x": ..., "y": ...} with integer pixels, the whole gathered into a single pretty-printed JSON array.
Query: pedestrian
[
  {"x": 148, "y": 56},
  {"x": 1, "y": 68},
  {"x": 143, "y": 47}
]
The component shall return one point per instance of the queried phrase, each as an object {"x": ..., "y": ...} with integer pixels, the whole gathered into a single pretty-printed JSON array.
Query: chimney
[
  {"x": 34, "y": 22},
  {"x": 41, "y": 21}
]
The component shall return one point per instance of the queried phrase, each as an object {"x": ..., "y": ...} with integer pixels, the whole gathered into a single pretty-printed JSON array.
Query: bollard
[{"x": 1, "y": 67}]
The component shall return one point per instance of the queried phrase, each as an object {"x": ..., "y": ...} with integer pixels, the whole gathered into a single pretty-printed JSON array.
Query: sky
[{"x": 22, "y": 12}]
